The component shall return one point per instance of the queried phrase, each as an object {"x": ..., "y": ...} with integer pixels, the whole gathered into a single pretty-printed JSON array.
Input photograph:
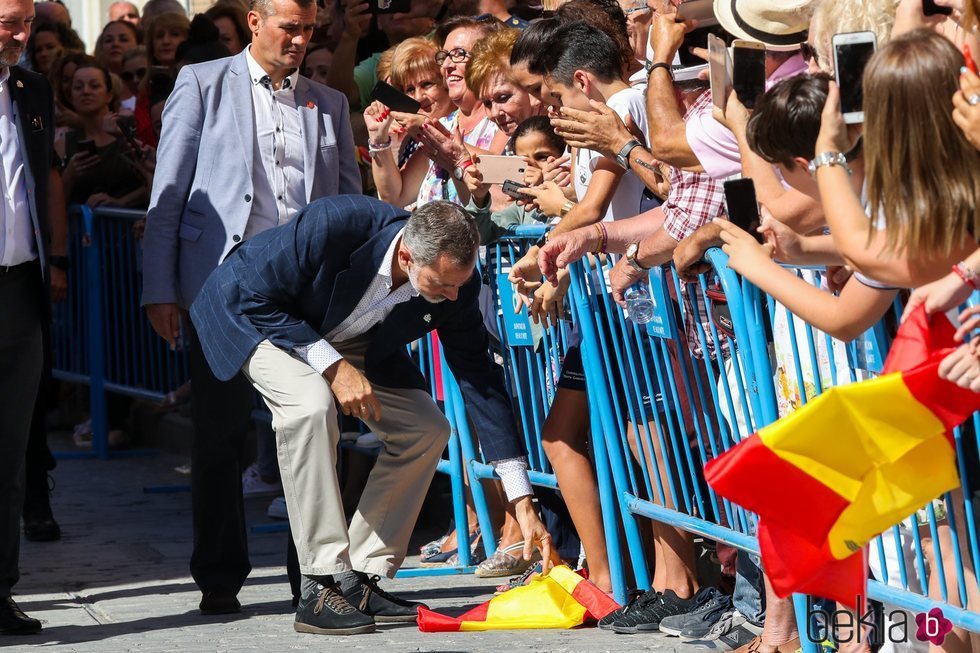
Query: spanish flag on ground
[
  {"x": 561, "y": 599},
  {"x": 851, "y": 463}
]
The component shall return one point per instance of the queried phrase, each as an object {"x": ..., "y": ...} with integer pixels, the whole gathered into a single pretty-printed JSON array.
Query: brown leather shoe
[{"x": 13, "y": 621}]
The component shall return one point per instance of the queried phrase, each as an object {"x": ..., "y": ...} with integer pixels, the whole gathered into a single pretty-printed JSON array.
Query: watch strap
[{"x": 829, "y": 159}]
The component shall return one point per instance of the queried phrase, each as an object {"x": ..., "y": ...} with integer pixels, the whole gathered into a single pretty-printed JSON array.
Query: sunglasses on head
[
  {"x": 458, "y": 55},
  {"x": 129, "y": 76},
  {"x": 809, "y": 52}
]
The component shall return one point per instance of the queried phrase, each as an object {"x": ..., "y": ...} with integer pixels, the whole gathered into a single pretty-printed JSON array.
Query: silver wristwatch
[
  {"x": 829, "y": 159},
  {"x": 631, "y": 252},
  {"x": 623, "y": 157}
]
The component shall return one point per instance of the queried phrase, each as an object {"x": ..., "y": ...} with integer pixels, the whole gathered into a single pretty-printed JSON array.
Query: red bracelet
[
  {"x": 967, "y": 275},
  {"x": 605, "y": 238}
]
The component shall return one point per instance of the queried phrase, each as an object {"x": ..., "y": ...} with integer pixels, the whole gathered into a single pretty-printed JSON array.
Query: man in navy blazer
[
  {"x": 318, "y": 312},
  {"x": 246, "y": 143}
]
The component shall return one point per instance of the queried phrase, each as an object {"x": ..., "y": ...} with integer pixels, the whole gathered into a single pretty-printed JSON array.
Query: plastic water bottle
[{"x": 639, "y": 303}]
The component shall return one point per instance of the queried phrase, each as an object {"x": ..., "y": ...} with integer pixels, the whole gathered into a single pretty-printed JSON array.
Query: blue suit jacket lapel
[
  {"x": 350, "y": 284},
  {"x": 240, "y": 86},
  {"x": 310, "y": 121}
]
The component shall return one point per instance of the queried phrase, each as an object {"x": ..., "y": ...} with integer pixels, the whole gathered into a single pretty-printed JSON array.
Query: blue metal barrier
[
  {"x": 903, "y": 564},
  {"x": 694, "y": 409},
  {"x": 99, "y": 334},
  {"x": 704, "y": 391}
]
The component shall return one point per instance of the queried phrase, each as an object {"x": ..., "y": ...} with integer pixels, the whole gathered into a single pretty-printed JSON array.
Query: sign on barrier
[
  {"x": 661, "y": 325},
  {"x": 865, "y": 353},
  {"x": 518, "y": 325}
]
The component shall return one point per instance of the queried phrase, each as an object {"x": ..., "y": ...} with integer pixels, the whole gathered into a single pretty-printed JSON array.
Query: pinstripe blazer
[{"x": 294, "y": 283}]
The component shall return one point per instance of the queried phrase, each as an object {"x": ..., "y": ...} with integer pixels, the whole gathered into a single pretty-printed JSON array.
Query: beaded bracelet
[
  {"x": 379, "y": 147},
  {"x": 967, "y": 274}
]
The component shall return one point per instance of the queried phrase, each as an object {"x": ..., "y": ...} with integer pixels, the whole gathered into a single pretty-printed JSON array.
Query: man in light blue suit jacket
[{"x": 246, "y": 144}]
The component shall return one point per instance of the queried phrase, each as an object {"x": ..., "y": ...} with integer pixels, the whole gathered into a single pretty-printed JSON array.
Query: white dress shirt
[
  {"x": 378, "y": 301},
  {"x": 280, "y": 193},
  {"x": 17, "y": 244}
]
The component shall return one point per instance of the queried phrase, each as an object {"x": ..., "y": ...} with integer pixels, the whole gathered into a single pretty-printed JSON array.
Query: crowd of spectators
[{"x": 626, "y": 152}]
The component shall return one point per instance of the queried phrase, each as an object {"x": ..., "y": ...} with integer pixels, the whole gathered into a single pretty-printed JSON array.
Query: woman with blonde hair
[
  {"x": 398, "y": 164},
  {"x": 920, "y": 169},
  {"x": 490, "y": 77}
]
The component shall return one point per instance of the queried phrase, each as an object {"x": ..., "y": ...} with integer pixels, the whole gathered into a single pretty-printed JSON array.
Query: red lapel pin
[{"x": 310, "y": 105}]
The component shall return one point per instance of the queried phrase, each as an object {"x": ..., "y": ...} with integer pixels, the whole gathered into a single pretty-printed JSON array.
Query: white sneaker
[
  {"x": 254, "y": 486},
  {"x": 277, "y": 509}
]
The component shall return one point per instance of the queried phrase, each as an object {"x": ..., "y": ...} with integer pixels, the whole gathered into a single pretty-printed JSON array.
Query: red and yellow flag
[
  {"x": 560, "y": 599},
  {"x": 851, "y": 463}
]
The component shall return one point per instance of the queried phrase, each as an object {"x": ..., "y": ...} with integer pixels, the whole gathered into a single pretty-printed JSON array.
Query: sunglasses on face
[
  {"x": 130, "y": 76},
  {"x": 457, "y": 55}
]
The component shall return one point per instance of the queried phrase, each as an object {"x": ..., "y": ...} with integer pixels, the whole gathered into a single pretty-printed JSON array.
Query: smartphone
[
  {"x": 127, "y": 126},
  {"x": 498, "y": 169},
  {"x": 748, "y": 71},
  {"x": 87, "y": 146},
  {"x": 390, "y": 6},
  {"x": 930, "y": 8},
  {"x": 719, "y": 71},
  {"x": 852, "y": 50},
  {"x": 394, "y": 99},
  {"x": 513, "y": 188},
  {"x": 743, "y": 208}
]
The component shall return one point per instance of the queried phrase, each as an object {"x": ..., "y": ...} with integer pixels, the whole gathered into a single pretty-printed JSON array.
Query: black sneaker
[
  {"x": 710, "y": 604},
  {"x": 650, "y": 612},
  {"x": 635, "y": 597},
  {"x": 323, "y": 610},
  {"x": 373, "y": 601},
  {"x": 732, "y": 631}
]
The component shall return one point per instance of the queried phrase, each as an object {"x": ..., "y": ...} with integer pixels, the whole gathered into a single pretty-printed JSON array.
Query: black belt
[{"x": 21, "y": 267}]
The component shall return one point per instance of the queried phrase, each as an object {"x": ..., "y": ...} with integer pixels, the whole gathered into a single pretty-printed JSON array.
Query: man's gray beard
[
  {"x": 413, "y": 278},
  {"x": 10, "y": 56}
]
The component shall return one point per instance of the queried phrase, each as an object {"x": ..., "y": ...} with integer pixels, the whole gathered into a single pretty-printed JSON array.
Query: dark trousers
[
  {"x": 221, "y": 412},
  {"x": 21, "y": 361},
  {"x": 40, "y": 461}
]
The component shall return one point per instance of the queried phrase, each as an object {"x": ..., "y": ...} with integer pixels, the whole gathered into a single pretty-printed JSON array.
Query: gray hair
[
  {"x": 441, "y": 228},
  {"x": 265, "y": 9}
]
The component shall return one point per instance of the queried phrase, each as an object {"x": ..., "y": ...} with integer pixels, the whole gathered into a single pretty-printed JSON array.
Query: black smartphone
[
  {"x": 743, "y": 208},
  {"x": 394, "y": 99},
  {"x": 513, "y": 189},
  {"x": 87, "y": 146},
  {"x": 389, "y": 6},
  {"x": 748, "y": 71},
  {"x": 852, "y": 50},
  {"x": 930, "y": 8},
  {"x": 127, "y": 127}
]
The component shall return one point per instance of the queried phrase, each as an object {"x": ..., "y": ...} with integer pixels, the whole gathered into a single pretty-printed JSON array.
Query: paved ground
[{"x": 118, "y": 581}]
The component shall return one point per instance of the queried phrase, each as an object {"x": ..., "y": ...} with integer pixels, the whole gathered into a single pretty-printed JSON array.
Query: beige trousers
[{"x": 413, "y": 432}]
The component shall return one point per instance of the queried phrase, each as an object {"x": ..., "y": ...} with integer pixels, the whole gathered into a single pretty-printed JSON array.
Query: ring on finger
[{"x": 973, "y": 100}]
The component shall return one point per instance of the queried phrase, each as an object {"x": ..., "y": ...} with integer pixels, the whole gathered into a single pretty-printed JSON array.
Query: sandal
[
  {"x": 520, "y": 581},
  {"x": 450, "y": 558},
  {"x": 504, "y": 563}
]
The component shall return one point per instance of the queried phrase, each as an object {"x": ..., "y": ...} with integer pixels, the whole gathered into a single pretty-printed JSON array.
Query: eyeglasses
[
  {"x": 130, "y": 76},
  {"x": 809, "y": 52},
  {"x": 458, "y": 55}
]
